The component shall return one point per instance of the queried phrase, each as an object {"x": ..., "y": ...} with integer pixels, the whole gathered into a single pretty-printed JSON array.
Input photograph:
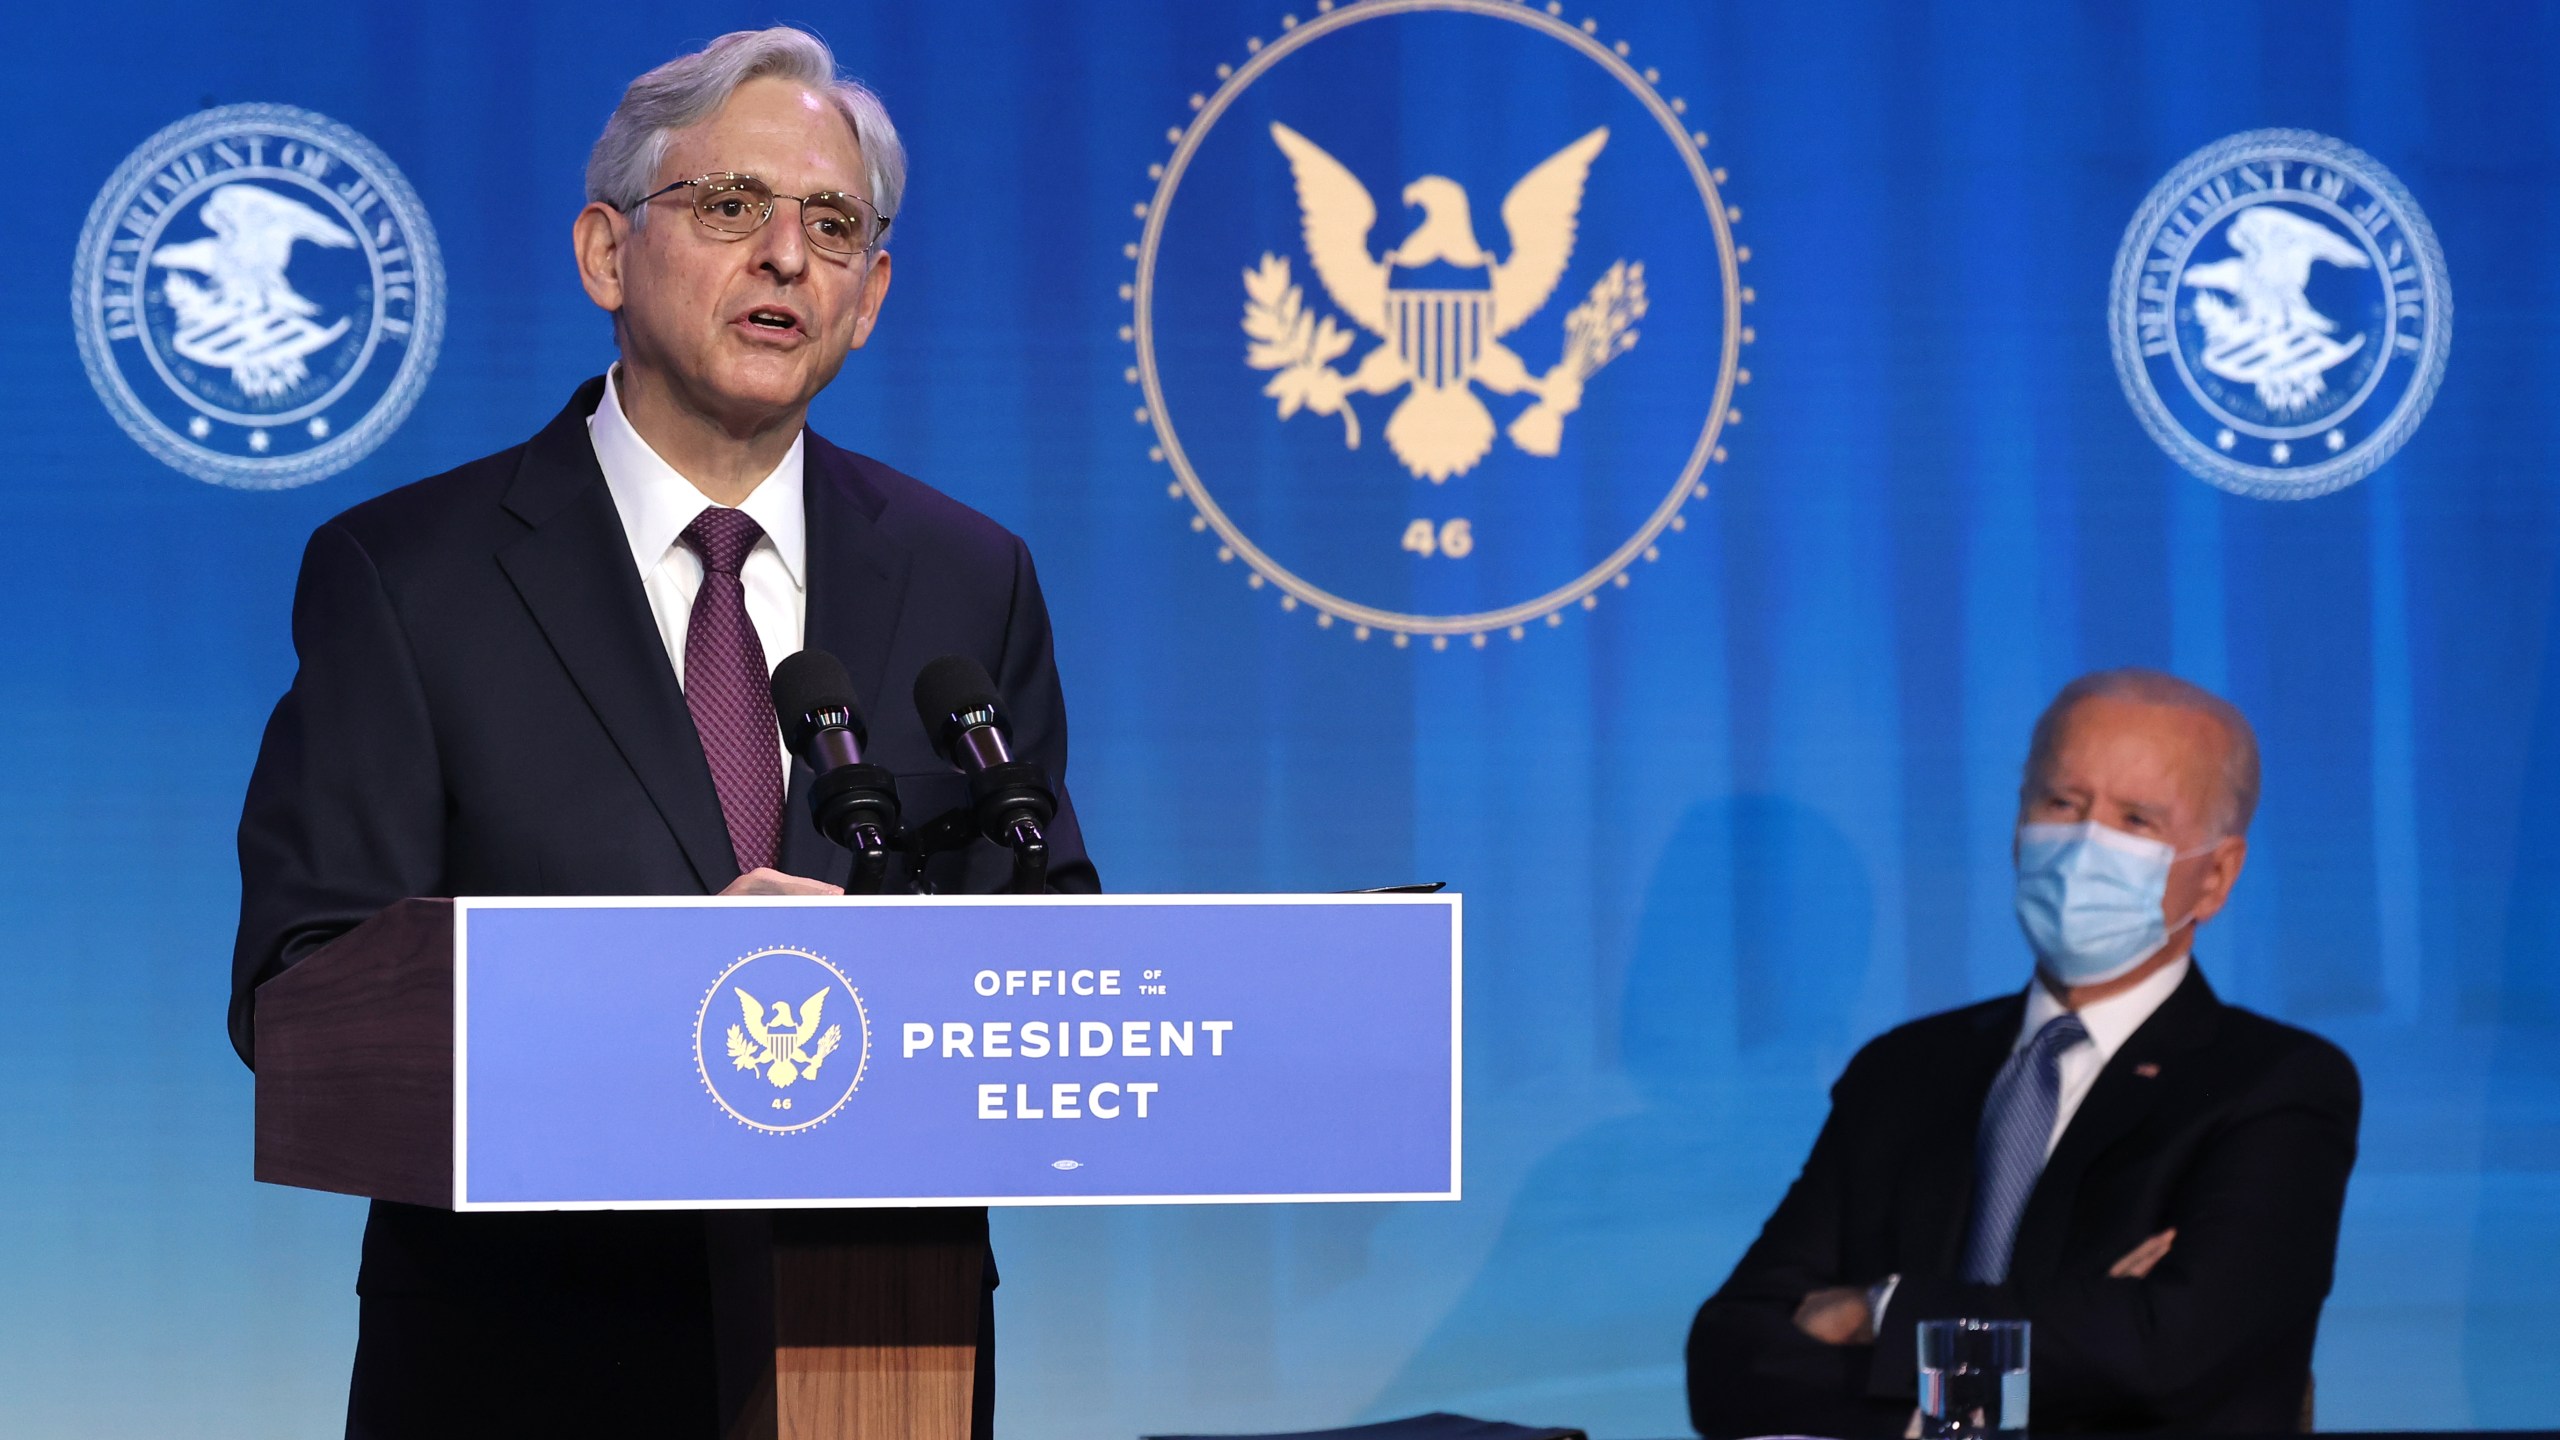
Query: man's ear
[
  {"x": 875, "y": 290},
  {"x": 599, "y": 237},
  {"x": 2221, "y": 872}
]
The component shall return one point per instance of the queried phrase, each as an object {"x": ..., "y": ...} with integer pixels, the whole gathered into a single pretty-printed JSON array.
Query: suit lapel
[
  {"x": 857, "y": 574},
  {"x": 2122, "y": 1097},
  {"x": 1943, "y": 1172},
  {"x": 857, "y": 590},
  {"x": 573, "y": 570}
]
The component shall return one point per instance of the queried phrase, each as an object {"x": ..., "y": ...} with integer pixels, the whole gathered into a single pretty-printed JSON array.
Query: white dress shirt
[
  {"x": 2110, "y": 1022},
  {"x": 656, "y": 504}
]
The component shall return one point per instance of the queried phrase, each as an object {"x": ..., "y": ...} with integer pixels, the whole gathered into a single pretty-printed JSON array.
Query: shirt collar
[
  {"x": 656, "y": 502},
  {"x": 2112, "y": 1021}
]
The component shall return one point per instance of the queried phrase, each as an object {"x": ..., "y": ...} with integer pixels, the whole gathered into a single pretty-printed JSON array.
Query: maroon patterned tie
[{"x": 726, "y": 688}]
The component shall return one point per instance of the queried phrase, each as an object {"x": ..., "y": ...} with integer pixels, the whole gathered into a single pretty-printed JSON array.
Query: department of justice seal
[
  {"x": 781, "y": 1040},
  {"x": 1489, "y": 330},
  {"x": 258, "y": 296},
  {"x": 2280, "y": 314}
]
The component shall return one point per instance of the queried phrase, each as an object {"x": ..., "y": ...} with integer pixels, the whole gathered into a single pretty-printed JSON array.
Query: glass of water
[{"x": 1973, "y": 1378}]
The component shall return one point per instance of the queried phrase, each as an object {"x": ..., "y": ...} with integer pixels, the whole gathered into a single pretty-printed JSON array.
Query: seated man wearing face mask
[{"x": 2150, "y": 1176}]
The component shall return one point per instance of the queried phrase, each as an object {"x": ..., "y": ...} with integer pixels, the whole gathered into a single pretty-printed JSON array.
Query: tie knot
[
  {"x": 2059, "y": 1034},
  {"x": 722, "y": 537}
]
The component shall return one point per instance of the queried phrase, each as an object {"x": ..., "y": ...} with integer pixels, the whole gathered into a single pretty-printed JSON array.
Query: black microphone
[
  {"x": 854, "y": 803},
  {"x": 965, "y": 720}
]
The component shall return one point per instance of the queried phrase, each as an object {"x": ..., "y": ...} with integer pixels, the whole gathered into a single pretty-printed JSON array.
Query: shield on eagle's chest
[{"x": 1437, "y": 316}]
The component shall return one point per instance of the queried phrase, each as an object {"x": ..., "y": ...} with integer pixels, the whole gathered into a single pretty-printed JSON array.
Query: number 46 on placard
[{"x": 1453, "y": 538}]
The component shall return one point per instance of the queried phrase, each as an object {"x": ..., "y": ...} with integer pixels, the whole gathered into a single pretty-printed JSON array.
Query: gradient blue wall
[{"x": 1781, "y": 766}]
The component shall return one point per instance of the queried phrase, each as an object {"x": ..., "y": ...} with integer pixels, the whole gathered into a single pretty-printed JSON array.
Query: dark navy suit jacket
[
  {"x": 484, "y": 707},
  {"x": 2237, "y": 1131}
]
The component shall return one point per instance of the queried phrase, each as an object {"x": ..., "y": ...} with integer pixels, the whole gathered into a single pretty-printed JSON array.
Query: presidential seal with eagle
[
  {"x": 782, "y": 1065},
  {"x": 782, "y": 1049},
  {"x": 1439, "y": 304},
  {"x": 1414, "y": 438}
]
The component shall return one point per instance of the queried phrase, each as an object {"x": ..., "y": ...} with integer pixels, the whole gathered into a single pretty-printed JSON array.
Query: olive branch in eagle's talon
[{"x": 1299, "y": 344}]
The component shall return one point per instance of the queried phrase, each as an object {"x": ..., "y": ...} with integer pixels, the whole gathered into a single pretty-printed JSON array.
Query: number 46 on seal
[{"x": 1453, "y": 538}]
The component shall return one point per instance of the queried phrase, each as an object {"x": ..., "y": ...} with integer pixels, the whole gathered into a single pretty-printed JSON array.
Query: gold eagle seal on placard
[
  {"x": 782, "y": 1049},
  {"x": 787, "y": 1064}
]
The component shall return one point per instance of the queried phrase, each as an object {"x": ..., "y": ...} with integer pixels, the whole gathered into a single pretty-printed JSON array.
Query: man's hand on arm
[
  {"x": 1837, "y": 1315},
  {"x": 765, "y": 881},
  {"x": 2137, "y": 1262}
]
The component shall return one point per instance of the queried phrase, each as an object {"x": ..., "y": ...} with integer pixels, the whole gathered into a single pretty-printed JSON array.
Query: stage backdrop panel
[{"x": 1719, "y": 518}]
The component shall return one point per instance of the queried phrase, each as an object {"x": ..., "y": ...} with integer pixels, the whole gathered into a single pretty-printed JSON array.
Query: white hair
[
  {"x": 691, "y": 88},
  {"x": 2237, "y": 803}
]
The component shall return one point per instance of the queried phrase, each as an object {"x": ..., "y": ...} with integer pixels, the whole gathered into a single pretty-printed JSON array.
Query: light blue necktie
[{"x": 2008, "y": 1155}]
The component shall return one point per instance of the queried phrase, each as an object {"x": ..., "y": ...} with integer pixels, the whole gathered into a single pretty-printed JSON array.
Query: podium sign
[
  {"x": 998, "y": 1050},
  {"x": 808, "y": 1055}
]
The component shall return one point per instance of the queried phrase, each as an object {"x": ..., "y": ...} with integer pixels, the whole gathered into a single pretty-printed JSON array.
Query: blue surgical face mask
[{"x": 2089, "y": 899}]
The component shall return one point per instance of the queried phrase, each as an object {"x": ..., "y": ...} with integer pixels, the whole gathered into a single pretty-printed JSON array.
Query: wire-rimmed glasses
[{"x": 733, "y": 206}]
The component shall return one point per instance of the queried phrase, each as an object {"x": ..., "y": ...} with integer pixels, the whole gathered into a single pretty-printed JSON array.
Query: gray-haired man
[
  {"x": 2149, "y": 1176},
  {"x": 542, "y": 673}
]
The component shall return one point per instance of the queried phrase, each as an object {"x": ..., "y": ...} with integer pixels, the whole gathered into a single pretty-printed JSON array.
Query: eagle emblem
[
  {"x": 2267, "y": 335},
  {"x": 781, "y": 1048},
  {"x": 249, "y": 320},
  {"x": 1439, "y": 305}
]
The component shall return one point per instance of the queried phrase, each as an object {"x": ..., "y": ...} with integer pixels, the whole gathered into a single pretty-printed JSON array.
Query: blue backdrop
[{"x": 1747, "y": 811}]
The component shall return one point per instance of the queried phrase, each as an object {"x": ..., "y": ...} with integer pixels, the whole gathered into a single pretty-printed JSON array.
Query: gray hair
[
  {"x": 2239, "y": 799},
  {"x": 691, "y": 88}
]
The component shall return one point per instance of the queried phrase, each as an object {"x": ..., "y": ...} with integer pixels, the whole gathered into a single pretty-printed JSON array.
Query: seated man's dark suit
[
  {"x": 484, "y": 707},
  {"x": 2233, "y": 1129}
]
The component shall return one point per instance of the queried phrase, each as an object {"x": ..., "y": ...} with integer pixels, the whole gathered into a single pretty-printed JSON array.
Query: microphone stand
[
  {"x": 1013, "y": 805},
  {"x": 1030, "y": 855},
  {"x": 870, "y": 860},
  {"x": 1019, "y": 828},
  {"x": 857, "y": 807},
  {"x": 951, "y": 830}
]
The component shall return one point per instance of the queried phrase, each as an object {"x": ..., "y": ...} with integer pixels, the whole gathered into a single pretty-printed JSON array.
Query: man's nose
[{"x": 782, "y": 246}]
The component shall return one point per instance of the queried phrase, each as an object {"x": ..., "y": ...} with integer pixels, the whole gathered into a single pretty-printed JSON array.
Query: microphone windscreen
[
  {"x": 952, "y": 685},
  {"x": 811, "y": 690}
]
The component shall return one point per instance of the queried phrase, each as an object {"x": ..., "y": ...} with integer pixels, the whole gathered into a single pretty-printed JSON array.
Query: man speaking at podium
[
  {"x": 545, "y": 673},
  {"x": 2151, "y": 1177}
]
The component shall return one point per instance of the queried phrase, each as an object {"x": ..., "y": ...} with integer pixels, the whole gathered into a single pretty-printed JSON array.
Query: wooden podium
[{"x": 829, "y": 1323}]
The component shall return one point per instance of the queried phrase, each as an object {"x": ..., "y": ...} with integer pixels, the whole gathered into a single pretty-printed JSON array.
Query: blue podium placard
[{"x": 991, "y": 1050}]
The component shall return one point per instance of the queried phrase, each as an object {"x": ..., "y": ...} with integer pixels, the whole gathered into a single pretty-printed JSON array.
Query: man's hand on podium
[{"x": 765, "y": 881}]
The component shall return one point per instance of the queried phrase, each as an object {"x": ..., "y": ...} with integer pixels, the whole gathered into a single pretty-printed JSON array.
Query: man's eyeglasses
[{"x": 732, "y": 206}]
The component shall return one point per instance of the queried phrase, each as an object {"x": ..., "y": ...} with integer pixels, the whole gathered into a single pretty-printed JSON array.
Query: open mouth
[{"x": 772, "y": 319}]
